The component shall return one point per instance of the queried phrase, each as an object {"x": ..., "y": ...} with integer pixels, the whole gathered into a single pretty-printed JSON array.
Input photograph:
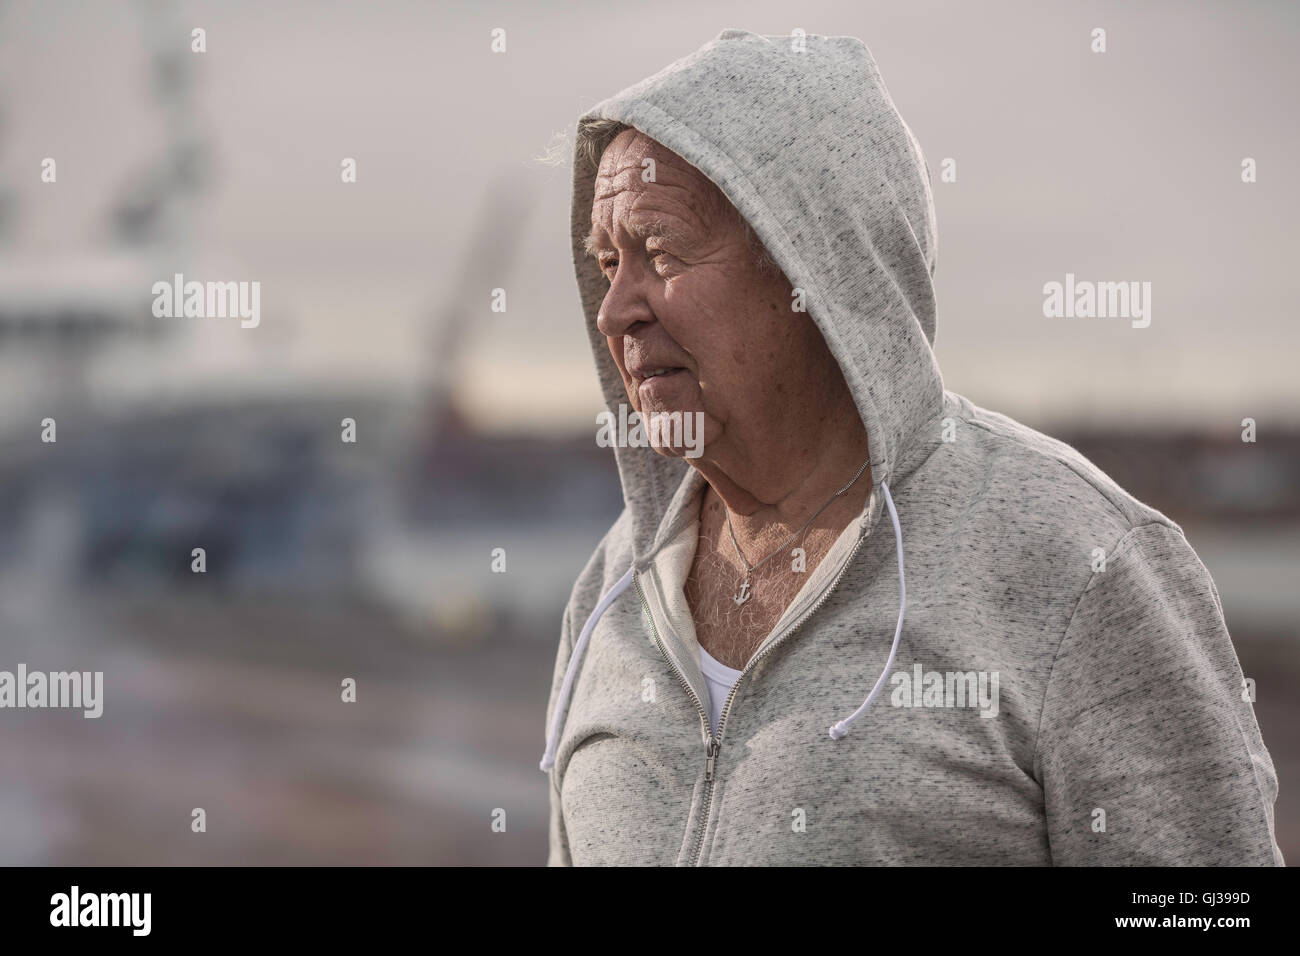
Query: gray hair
[{"x": 594, "y": 135}]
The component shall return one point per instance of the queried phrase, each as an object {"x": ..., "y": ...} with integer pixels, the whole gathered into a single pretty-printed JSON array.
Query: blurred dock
[{"x": 223, "y": 689}]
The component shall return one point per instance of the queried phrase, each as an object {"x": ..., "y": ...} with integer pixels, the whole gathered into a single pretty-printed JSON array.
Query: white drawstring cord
[
  {"x": 837, "y": 730},
  {"x": 552, "y": 737},
  {"x": 842, "y": 728}
]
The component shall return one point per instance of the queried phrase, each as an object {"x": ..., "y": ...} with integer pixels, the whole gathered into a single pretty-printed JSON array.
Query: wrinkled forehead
[{"x": 637, "y": 171}]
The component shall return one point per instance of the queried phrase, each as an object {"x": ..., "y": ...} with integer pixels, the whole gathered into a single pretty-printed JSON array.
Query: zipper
[
  {"x": 704, "y": 717},
  {"x": 726, "y": 707},
  {"x": 714, "y": 744}
]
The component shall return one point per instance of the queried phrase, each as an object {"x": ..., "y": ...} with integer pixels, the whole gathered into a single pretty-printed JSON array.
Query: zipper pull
[{"x": 712, "y": 752}]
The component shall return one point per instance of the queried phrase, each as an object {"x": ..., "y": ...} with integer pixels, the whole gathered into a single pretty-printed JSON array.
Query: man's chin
[{"x": 674, "y": 433}]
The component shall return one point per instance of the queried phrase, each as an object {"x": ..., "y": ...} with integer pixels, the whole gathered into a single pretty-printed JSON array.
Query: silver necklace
[{"x": 744, "y": 593}]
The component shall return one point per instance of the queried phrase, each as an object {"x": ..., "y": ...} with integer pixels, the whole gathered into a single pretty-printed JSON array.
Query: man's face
[{"x": 692, "y": 322}]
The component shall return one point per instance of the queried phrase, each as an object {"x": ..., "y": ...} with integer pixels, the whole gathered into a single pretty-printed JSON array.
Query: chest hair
[{"x": 729, "y": 632}]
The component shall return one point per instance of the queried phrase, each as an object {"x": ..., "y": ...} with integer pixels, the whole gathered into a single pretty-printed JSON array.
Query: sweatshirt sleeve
[
  {"x": 1148, "y": 748},
  {"x": 558, "y": 849}
]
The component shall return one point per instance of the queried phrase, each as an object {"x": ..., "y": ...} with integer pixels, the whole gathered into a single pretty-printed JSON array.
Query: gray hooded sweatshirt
[{"x": 1005, "y": 660}]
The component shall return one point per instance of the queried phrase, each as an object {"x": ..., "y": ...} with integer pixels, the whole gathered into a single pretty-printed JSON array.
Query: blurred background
[{"x": 475, "y": 429}]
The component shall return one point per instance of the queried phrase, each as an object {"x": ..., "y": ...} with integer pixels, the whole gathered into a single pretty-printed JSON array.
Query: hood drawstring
[
  {"x": 837, "y": 731},
  {"x": 842, "y": 728},
  {"x": 552, "y": 738}
]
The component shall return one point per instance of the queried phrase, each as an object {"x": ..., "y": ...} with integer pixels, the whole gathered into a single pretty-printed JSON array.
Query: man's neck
[{"x": 801, "y": 489}]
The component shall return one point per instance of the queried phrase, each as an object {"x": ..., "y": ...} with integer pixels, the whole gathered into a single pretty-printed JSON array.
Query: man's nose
[{"x": 625, "y": 305}]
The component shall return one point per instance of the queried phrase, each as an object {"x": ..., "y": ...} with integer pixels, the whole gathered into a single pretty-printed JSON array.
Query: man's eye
[{"x": 610, "y": 266}]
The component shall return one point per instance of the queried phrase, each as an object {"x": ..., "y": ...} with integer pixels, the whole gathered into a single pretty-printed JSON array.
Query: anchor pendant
[{"x": 743, "y": 594}]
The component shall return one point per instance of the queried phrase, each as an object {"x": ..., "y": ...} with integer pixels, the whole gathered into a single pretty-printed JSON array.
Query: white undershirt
[
  {"x": 720, "y": 679},
  {"x": 673, "y": 565}
]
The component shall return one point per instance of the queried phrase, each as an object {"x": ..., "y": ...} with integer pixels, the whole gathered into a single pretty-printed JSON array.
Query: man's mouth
[{"x": 656, "y": 372}]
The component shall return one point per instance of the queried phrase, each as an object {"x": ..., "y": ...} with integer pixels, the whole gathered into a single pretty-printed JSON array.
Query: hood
[{"x": 802, "y": 137}]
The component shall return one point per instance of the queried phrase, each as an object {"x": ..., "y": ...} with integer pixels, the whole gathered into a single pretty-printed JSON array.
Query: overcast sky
[{"x": 1116, "y": 166}]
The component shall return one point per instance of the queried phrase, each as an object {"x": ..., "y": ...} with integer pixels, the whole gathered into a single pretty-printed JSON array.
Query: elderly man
[{"x": 871, "y": 622}]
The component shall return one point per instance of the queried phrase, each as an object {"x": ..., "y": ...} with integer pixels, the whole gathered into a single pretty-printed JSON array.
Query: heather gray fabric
[{"x": 1121, "y": 735}]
